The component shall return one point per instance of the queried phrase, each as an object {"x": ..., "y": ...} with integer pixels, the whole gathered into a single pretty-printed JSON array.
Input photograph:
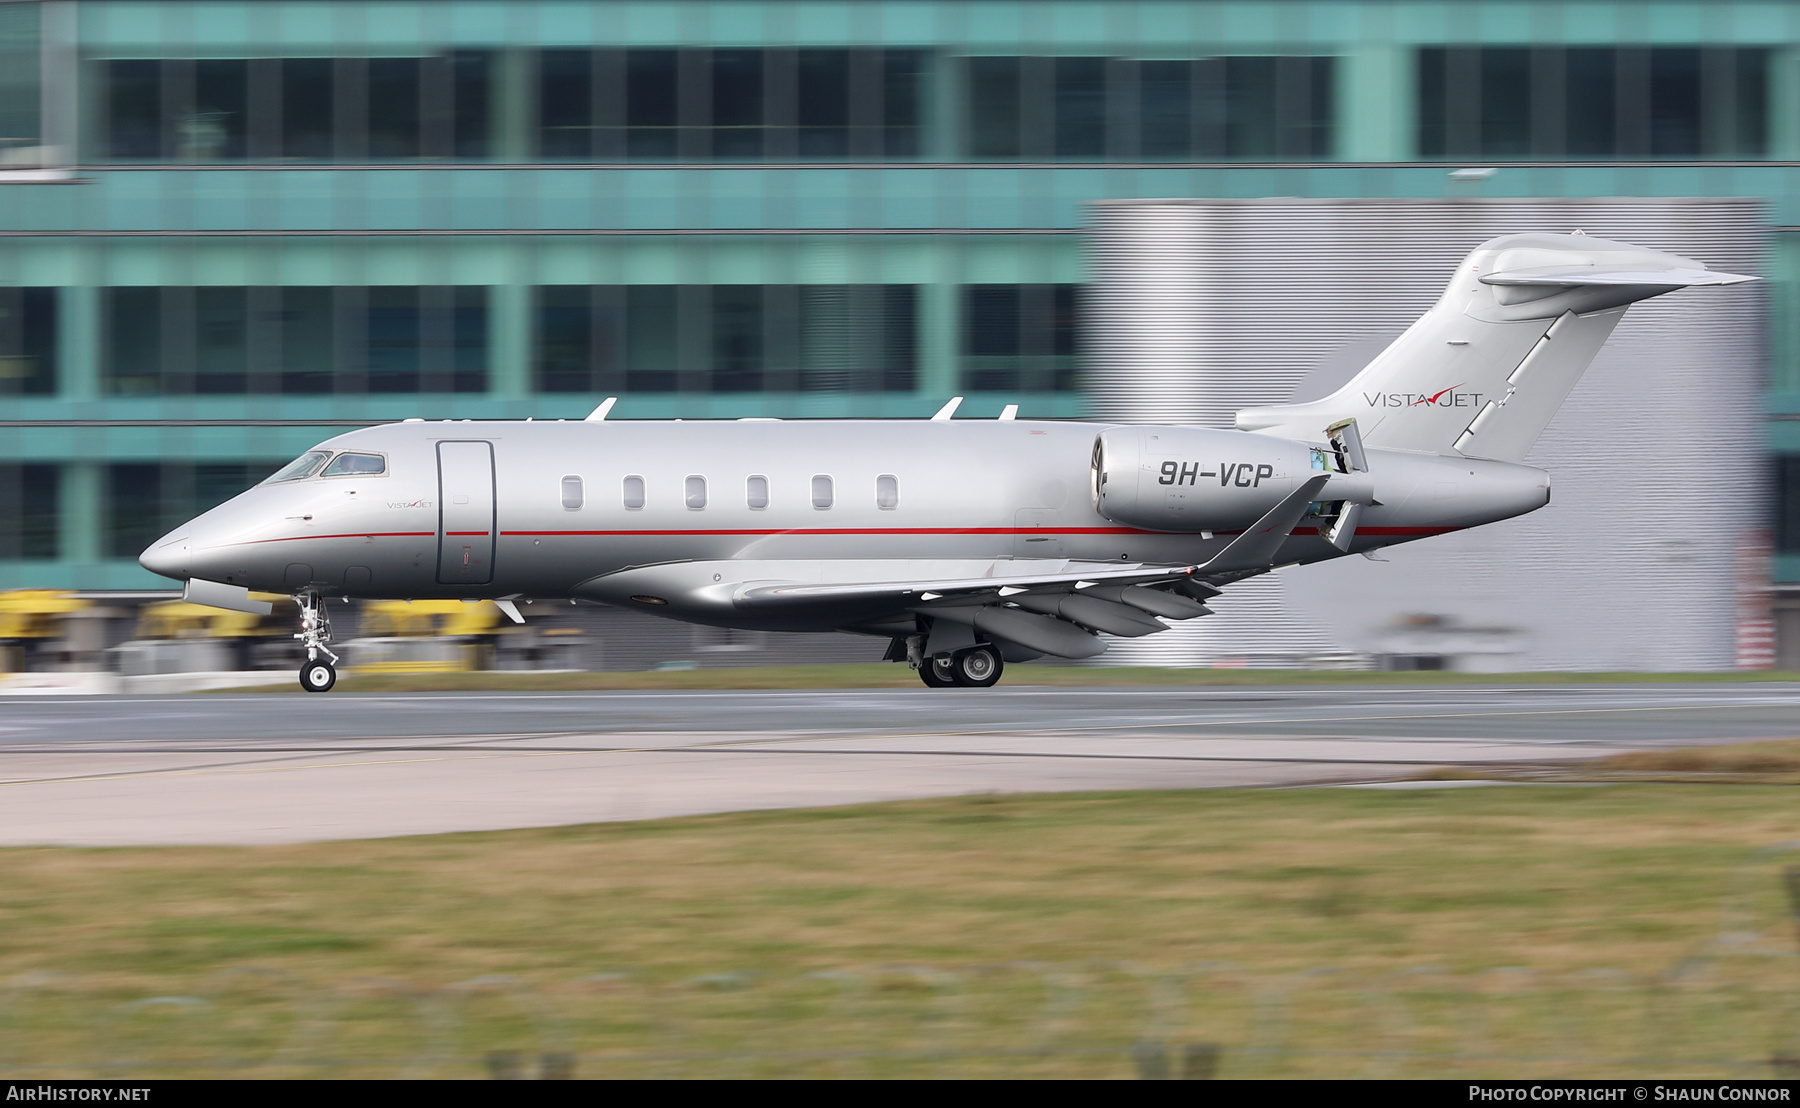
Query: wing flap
[{"x": 1044, "y": 634}]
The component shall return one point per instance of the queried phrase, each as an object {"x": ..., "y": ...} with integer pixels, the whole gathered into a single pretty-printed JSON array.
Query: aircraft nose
[{"x": 168, "y": 557}]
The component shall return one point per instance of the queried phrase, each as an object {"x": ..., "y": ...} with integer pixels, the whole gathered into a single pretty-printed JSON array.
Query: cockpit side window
[
  {"x": 306, "y": 465},
  {"x": 356, "y": 465}
]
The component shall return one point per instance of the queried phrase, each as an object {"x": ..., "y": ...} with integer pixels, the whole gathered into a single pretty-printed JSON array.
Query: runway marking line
[
  {"x": 742, "y": 745},
  {"x": 1160, "y": 692},
  {"x": 1164, "y": 724},
  {"x": 791, "y": 739}
]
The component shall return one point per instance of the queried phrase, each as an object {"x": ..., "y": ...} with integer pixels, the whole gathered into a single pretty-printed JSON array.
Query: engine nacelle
[{"x": 1196, "y": 479}]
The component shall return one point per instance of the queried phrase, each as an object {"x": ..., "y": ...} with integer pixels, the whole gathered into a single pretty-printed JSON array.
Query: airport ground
[
  {"x": 891, "y": 676},
  {"x": 1621, "y": 930},
  {"x": 269, "y": 768},
  {"x": 1024, "y": 880}
]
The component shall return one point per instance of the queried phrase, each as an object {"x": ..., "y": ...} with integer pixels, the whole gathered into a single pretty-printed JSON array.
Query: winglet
[
  {"x": 599, "y": 413},
  {"x": 1261, "y": 541},
  {"x": 947, "y": 410}
]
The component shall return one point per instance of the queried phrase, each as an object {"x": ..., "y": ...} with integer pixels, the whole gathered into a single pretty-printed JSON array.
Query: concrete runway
[{"x": 286, "y": 768}]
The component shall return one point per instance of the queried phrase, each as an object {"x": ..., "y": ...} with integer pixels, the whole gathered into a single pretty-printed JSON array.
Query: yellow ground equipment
[
  {"x": 174, "y": 636},
  {"x": 36, "y": 613},
  {"x": 396, "y": 618},
  {"x": 29, "y": 617},
  {"x": 177, "y": 619},
  {"x": 425, "y": 636}
]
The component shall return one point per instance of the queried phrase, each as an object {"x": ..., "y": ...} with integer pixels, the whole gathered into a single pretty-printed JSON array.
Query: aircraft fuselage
[{"x": 545, "y": 509}]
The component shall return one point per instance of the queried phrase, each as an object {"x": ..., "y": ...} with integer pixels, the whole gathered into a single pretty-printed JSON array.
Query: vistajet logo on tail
[{"x": 1443, "y": 398}]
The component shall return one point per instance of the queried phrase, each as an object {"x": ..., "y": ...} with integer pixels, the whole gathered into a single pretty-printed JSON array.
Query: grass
[
  {"x": 1766, "y": 763},
  {"x": 1442, "y": 932},
  {"x": 888, "y": 675}
]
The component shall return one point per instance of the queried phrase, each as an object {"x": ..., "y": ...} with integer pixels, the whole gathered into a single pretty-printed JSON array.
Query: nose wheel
[{"x": 318, "y": 676}]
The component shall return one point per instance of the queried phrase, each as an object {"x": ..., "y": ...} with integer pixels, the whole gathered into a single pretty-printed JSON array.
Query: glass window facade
[
  {"x": 21, "y": 117},
  {"x": 145, "y": 499},
  {"x": 27, "y": 341},
  {"x": 1020, "y": 338},
  {"x": 608, "y": 104},
  {"x": 1787, "y": 504},
  {"x": 1095, "y": 108},
  {"x": 28, "y": 515},
  {"x": 360, "y": 109},
  {"x": 1593, "y": 102},
  {"x": 186, "y": 341},
  {"x": 726, "y": 338}
]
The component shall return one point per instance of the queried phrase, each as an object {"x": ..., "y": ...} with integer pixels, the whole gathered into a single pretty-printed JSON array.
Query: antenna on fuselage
[
  {"x": 947, "y": 410},
  {"x": 1009, "y": 413},
  {"x": 599, "y": 413}
]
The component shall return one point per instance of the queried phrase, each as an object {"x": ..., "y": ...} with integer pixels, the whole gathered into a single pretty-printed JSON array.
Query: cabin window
[
  {"x": 634, "y": 492},
  {"x": 696, "y": 492},
  {"x": 887, "y": 492},
  {"x": 356, "y": 465},
  {"x": 821, "y": 491},
  {"x": 571, "y": 493},
  {"x": 756, "y": 491}
]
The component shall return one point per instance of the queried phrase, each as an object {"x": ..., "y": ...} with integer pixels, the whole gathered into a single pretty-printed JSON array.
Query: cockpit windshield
[
  {"x": 306, "y": 465},
  {"x": 366, "y": 465}
]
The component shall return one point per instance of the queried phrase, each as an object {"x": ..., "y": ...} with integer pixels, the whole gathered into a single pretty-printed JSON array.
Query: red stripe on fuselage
[
  {"x": 1378, "y": 531},
  {"x": 357, "y": 535},
  {"x": 758, "y": 532},
  {"x": 864, "y": 531}
]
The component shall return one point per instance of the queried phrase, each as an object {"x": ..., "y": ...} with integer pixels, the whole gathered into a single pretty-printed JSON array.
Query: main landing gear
[
  {"x": 316, "y": 674},
  {"x": 975, "y": 668}
]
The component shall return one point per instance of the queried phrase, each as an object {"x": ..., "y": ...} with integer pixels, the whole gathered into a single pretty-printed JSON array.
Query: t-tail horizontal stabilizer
[{"x": 1482, "y": 373}]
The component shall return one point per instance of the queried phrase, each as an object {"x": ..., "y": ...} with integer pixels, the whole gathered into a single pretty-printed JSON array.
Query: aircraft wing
[
  {"x": 1065, "y": 575},
  {"x": 1251, "y": 552},
  {"x": 1041, "y": 605},
  {"x": 1050, "y": 608}
]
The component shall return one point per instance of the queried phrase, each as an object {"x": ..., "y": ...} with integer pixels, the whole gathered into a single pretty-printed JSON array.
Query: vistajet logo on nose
[
  {"x": 1444, "y": 398},
  {"x": 409, "y": 503}
]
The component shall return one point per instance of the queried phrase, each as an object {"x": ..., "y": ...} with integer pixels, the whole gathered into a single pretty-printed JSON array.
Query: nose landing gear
[{"x": 316, "y": 674}]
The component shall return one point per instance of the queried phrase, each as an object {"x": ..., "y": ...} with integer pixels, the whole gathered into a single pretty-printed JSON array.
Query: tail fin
[{"x": 1485, "y": 369}]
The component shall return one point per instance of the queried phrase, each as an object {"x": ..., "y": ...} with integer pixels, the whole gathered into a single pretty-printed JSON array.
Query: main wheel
[
  {"x": 318, "y": 676},
  {"x": 977, "y": 668},
  {"x": 939, "y": 673}
]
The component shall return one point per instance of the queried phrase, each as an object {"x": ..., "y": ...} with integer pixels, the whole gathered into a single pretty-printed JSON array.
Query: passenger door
[{"x": 466, "y": 521}]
